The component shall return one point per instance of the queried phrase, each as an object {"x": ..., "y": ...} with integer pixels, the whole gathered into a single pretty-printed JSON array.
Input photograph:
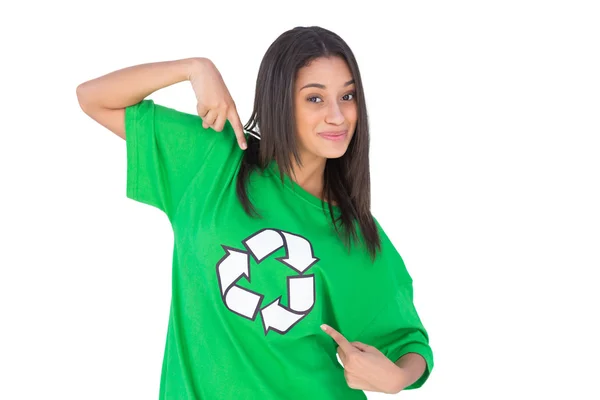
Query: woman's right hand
[{"x": 215, "y": 104}]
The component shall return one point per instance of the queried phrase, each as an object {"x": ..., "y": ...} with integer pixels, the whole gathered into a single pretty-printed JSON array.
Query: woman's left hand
[{"x": 365, "y": 367}]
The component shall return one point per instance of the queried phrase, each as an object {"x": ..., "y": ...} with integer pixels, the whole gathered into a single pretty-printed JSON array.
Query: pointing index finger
[
  {"x": 237, "y": 127},
  {"x": 338, "y": 337}
]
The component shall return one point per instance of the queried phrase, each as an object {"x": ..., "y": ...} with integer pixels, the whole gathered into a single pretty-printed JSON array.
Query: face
[{"x": 325, "y": 109}]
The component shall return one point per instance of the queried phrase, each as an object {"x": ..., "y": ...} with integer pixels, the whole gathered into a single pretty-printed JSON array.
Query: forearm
[
  {"x": 128, "y": 86},
  {"x": 412, "y": 366}
]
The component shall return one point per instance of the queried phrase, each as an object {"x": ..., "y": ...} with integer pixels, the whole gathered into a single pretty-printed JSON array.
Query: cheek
[
  {"x": 307, "y": 120},
  {"x": 304, "y": 126},
  {"x": 351, "y": 113}
]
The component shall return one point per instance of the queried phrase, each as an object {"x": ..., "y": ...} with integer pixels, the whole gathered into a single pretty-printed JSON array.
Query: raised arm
[{"x": 104, "y": 99}]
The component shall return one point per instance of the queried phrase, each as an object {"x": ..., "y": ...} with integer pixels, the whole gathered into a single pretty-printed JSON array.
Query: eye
[{"x": 351, "y": 94}]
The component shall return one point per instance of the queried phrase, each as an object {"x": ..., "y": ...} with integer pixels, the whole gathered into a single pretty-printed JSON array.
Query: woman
[{"x": 273, "y": 231}]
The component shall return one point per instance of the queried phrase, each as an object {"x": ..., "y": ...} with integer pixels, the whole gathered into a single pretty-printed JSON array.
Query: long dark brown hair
[{"x": 347, "y": 178}]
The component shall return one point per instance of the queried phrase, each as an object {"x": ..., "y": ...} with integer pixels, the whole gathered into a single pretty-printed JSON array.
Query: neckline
[{"x": 298, "y": 190}]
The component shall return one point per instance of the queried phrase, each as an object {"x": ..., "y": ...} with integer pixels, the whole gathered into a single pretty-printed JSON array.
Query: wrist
[
  {"x": 191, "y": 65},
  {"x": 399, "y": 379}
]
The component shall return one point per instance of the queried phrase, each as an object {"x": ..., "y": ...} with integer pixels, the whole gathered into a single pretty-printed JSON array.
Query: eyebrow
[{"x": 320, "y": 86}]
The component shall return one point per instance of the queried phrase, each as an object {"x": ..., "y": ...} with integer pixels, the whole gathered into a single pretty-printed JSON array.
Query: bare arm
[
  {"x": 105, "y": 98},
  {"x": 412, "y": 366}
]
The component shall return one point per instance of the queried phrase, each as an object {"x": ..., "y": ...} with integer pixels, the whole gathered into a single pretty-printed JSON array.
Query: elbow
[
  {"x": 80, "y": 92},
  {"x": 83, "y": 97}
]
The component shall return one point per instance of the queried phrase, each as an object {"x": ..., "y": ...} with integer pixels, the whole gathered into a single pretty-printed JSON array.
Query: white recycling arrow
[
  {"x": 302, "y": 292},
  {"x": 242, "y": 301},
  {"x": 232, "y": 267},
  {"x": 279, "y": 318},
  {"x": 264, "y": 243},
  {"x": 300, "y": 254}
]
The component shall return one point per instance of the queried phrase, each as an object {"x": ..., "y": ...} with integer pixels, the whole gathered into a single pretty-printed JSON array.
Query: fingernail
[
  {"x": 244, "y": 146},
  {"x": 324, "y": 327}
]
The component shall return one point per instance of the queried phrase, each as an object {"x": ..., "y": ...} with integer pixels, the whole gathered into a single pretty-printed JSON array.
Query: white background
[{"x": 485, "y": 171}]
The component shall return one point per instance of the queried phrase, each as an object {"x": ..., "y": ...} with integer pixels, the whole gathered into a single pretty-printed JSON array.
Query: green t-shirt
[{"x": 249, "y": 295}]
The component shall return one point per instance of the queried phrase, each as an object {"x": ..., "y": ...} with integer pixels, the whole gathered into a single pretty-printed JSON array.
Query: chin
[
  {"x": 334, "y": 153},
  {"x": 332, "y": 149}
]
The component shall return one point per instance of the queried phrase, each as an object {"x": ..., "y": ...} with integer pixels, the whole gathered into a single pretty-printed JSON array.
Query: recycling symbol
[{"x": 301, "y": 288}]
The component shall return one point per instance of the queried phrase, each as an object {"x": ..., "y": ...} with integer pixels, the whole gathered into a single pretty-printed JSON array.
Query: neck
[{"x": 310, "y": 175}]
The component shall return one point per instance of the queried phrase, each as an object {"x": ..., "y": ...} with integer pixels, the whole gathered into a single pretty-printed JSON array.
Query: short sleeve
[
  {"x": 397, "y": 330},
  {"x": 166, "y": 149},
  {"x": 395, "y": 327}
]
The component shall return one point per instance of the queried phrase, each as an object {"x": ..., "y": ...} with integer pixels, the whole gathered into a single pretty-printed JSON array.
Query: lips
[{"x": 334, "y": 135}]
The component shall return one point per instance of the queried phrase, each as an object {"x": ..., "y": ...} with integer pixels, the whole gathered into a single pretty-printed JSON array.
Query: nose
[{"x": 334, "y": 114}]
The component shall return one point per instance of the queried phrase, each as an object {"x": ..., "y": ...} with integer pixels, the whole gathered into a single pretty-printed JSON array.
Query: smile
[{"x": 334, "y": 135}]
